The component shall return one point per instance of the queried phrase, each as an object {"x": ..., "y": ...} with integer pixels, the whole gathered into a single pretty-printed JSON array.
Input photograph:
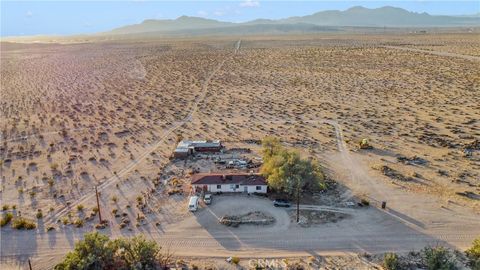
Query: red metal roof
[{"x": 240, "y": 179}]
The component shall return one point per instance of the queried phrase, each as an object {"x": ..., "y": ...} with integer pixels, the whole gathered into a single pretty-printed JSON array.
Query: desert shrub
[
  {"x": 14, "y": 207},
  {"x": 65, "y": 220},
  {"x": 80, "y": 207},
  {"x": 78, "y": 222},
  {"x": 6, "y": 219},
  {"x": 365, "y": 202},
  {"x": 22, "y": 223},
  {"x": 438, "y": 258},
  {"x": 473, "y": 254},
  {"x": 50, "y": 228},
  {"x": 51, "y": 182},
  {"x": 235, "y": 260},
  {"x": 95, "y": 209},
  {"x": 39, "y": 214},
  {"x": 390, "y": 261},
  {"x": 5, "y": 207},
  {"x": 114, "y": 199}
]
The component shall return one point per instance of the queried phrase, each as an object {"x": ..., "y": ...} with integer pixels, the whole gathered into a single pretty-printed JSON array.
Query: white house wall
[
  {"x": 227, "y": 188},
  {"x": 252, "y": 189}
]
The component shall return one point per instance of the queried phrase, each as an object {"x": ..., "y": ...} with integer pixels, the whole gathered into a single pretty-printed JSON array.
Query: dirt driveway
[{"x": 235, "y": 204}]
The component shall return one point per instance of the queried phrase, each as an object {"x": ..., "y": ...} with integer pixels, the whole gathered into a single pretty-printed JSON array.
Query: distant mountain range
[{"x": 318, "y": 22}]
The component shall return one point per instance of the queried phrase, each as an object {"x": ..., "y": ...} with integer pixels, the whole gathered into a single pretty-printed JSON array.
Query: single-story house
[
  {"x": 186, "y": 148},
  {"x": 247, "y": 183}
]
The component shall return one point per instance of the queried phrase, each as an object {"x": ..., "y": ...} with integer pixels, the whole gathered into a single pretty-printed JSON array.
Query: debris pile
[
  {"x": 412, "y": 161},
  {"x": 314, "y": 217},
  {"x": 255, "y": 218}
]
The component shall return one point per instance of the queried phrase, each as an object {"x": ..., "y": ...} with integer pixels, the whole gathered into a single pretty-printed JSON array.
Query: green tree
[
  {"x": 97, "y": 251},
  {"x": 94, "y": 252},
  {"x": 138, "y": 253},
  {"x": 438, "y": 258},
  {"x": 287, "y": 172},
  {"x": 473, "y": 254},
  {"x": 271, "y": 169},
  {"x": 271, "y": 147}
]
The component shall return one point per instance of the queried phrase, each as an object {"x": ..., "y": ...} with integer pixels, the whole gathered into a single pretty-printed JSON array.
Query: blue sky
[{"x": 75, "y": 17}]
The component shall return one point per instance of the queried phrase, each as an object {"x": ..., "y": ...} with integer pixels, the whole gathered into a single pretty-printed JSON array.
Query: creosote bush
[
  {"x": 391, "y": 261},
  {"x": 22, "y": 223},
  {"x": 439, "y": 258},
  {"x": 80, "y": 207},
  {"x": 79, "y": 222},
  {"x": 6, "y": 219}
]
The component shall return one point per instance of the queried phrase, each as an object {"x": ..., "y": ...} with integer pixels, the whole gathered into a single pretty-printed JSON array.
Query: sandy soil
[{"x": 109, "y": 114}]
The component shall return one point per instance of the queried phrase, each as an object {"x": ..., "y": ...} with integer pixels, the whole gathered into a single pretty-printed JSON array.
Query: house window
[
  {"x": 259, "y": 188},
  {"x": 237, "y": 186},
  {"x": 232, "y": 186},
  {"x": 219, "y": 186}
]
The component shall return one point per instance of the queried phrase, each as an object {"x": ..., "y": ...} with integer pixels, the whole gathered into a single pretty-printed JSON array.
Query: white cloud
[
  {"x": 29, "y": 14},
  {"x": 202, "y": 13},
  {"x": 250, "y": 3}
]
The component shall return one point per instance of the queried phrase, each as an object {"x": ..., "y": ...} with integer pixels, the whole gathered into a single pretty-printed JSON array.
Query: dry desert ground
[{"x": 109, "y": 114}]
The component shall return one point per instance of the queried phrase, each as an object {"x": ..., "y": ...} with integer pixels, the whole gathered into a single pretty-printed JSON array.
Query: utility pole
[
  {"x": 298, "y": 201},
  {"x": 29, "y": 264},
  {"x": 98, "y": 205}
]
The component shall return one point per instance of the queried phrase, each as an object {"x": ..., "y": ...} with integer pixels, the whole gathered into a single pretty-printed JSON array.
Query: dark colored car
[{"x": 281, "y": 203}]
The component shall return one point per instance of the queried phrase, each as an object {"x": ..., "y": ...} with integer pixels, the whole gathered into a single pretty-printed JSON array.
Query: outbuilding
[{"x": 187, "y": 148}]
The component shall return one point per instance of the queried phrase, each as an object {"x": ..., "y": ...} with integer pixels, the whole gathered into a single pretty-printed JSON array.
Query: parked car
[
  {"x": 207, "y": 199},
  {"x": 281, "y": 203}
]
